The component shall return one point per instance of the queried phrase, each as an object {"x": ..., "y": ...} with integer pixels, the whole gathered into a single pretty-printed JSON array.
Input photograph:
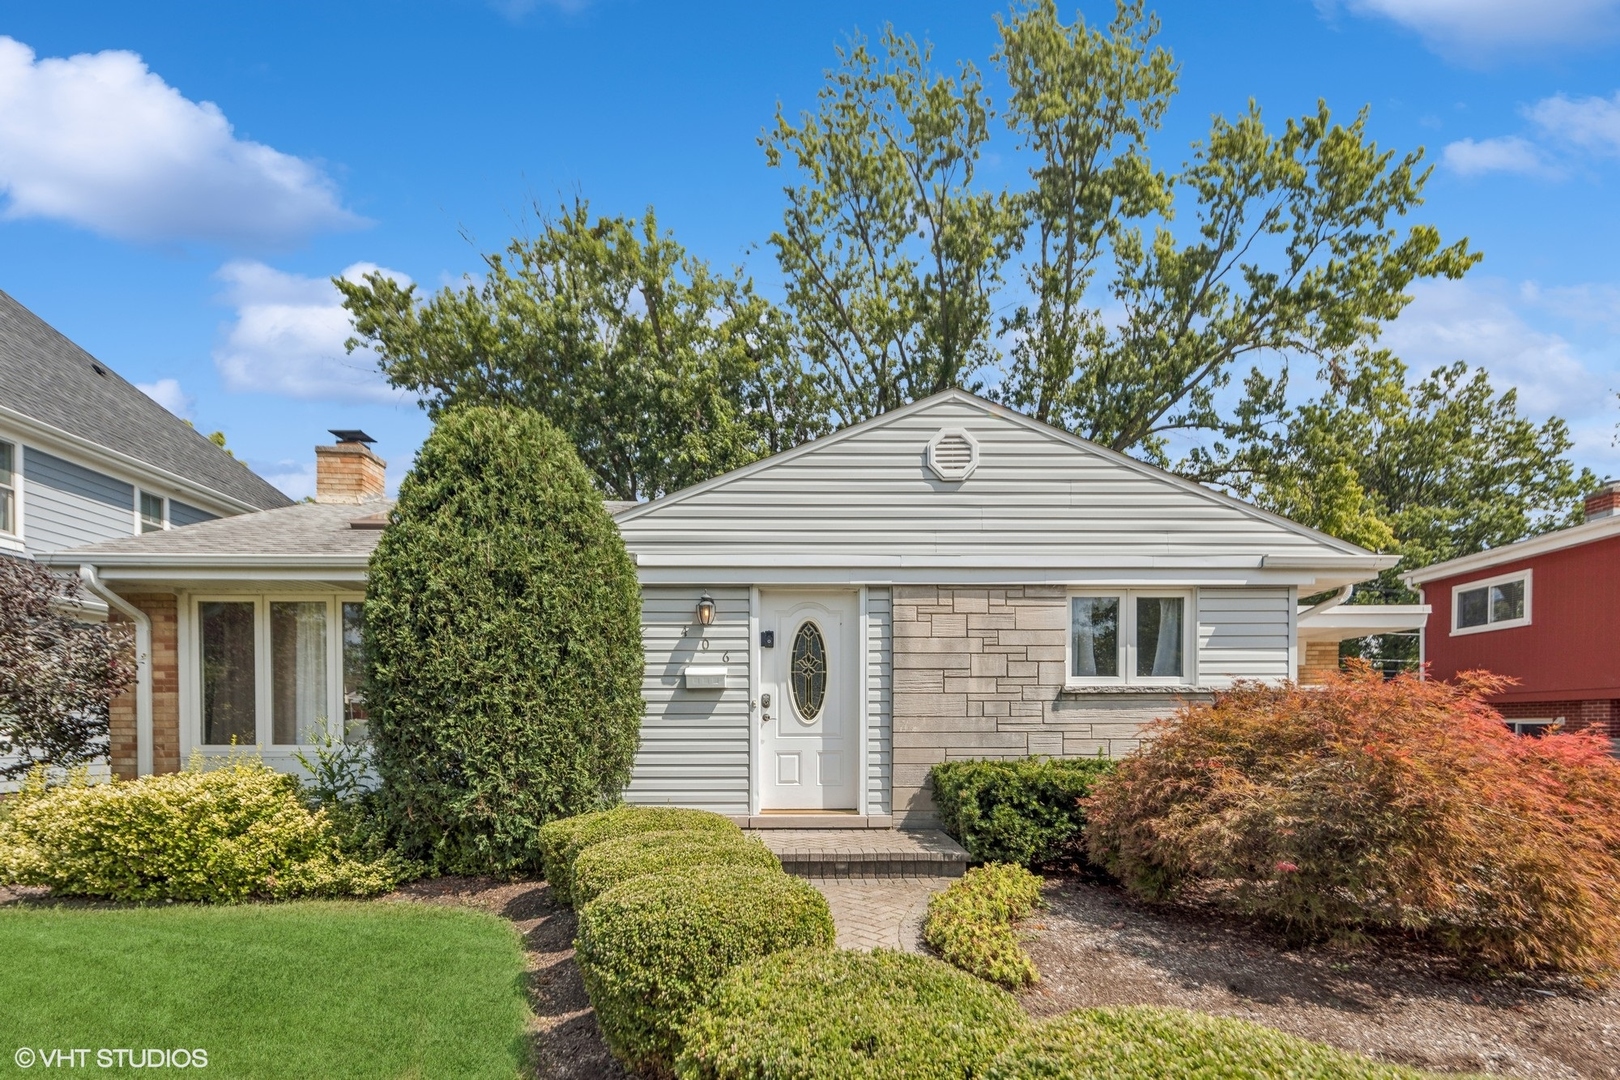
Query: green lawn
[{"x": 333, "y": 990}]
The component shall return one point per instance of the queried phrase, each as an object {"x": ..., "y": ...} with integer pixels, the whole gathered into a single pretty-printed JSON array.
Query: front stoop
[{"x": 866, "y": 854}]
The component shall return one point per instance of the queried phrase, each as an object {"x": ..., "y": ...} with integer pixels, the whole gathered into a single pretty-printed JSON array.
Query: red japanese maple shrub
[{"x": 1366, "y": 804}]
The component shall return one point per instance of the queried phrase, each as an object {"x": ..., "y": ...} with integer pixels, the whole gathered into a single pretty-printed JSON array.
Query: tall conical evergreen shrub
[{"x": 503, "y": 632}]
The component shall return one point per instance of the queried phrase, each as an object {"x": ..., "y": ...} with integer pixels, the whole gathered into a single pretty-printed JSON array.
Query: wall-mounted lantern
[{"x": 705, "y": 609}]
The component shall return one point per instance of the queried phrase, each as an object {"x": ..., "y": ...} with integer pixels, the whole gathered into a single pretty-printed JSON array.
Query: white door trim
[{"x": 854, "y": 629}]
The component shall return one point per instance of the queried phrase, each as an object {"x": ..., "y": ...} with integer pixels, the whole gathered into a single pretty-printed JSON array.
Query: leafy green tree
[
  {"x": 1435, "y": 469},
  {"x": 503, "y": 637},
  {"x": 662, "y": 372},
  {"x": 891, "y": 255},
  {"x": 1083, "y": 102}
]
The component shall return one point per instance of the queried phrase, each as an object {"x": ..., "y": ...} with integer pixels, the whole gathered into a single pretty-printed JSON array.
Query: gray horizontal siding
[
  {"x": 694, "y": 743},
  {"x": 879, "y": 700},
  {"x": 1032, "y": 496},
  {"x": 66, "y": 505},
  {"x": 1243, "y": 634},
  {"x": 185, "y": 514}
]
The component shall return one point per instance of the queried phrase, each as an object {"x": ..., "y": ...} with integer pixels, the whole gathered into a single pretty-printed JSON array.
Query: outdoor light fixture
[{"x": 706, "y": 609}]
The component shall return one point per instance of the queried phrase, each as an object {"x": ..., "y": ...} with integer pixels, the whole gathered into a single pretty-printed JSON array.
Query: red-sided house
[{"x": 1545, "y": 611}]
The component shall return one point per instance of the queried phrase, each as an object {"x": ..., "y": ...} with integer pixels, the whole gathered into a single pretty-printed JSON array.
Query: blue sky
[{"x": 178, "y": 181}]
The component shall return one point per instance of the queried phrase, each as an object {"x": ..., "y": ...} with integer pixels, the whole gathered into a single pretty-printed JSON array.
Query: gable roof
[
  {"x": 1590, "y": 532},
  {"x": 51, "y": 381},
  {"x": 1040, "y": 499}
]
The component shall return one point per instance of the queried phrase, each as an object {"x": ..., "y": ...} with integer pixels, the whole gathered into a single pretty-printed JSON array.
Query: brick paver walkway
[{"x": 886, "y": 914}]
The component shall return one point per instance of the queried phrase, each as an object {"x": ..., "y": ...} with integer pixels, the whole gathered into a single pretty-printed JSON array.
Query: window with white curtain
[
  {"x": 276, "y": 670},
  {"x": 297, "y": 670},
  {"x": 8, "y": 488},
  {"x": 1128, "y": 636}
]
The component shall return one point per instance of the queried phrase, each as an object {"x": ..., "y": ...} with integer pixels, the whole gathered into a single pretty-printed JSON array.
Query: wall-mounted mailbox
[
  {"x": 705, "y": 676},
  {"x": 767, "y": 639}
]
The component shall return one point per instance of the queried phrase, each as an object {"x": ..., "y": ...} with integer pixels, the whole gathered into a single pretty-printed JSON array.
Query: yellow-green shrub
[
  {"x": 1173, "y": 1044},
  {"x": 602, "y": 866},
  {"x": 218, "y": 835},
  {"x": 823, "y": 1014},
  {"x": 562, "y": 840},
  {"x": 970, "y": 924},
  {"x": 651, "y": 949}
]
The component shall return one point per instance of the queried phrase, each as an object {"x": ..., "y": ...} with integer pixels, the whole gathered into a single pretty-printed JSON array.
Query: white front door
[{"x": 810, "y": 721}]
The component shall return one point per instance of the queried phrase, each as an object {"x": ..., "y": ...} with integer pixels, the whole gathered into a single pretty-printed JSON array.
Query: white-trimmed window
[
  {"x": 8, "y": 488},
  {"x": 1496, "y": 603},
  {"x": 1130, "y": 637},
  {"x": 152, "y": 512},
  {"x": 275, "y": 670}
]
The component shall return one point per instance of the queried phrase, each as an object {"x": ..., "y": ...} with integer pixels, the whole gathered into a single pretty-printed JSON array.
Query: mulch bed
[{"x": 1393, "y": 999}]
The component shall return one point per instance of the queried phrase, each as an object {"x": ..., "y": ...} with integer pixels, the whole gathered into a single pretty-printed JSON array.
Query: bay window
[
  {"x": 278, "y": 671},
  {"x": 1129, "y": 636}
]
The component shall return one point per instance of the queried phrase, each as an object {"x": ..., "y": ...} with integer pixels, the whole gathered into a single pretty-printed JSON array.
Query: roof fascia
[
  {"x": 1587, "y": 533},
  {"x": 55, "y": 440}
]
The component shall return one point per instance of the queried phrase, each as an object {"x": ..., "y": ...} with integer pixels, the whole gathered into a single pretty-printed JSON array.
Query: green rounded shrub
[
  {"x": 1173, "y": 1044},
  {"x": 562, "y": 840},
  {"x": 1025, "y": 810},
  {"x": 652, "y": 949},
  {"x": 850, "y": 1016},
  {"x": 970, "y": 924},
  {"x": 503, "y": 634},
  {"x": 602, "y": 866},
  {"x": 217, "y": 836}
]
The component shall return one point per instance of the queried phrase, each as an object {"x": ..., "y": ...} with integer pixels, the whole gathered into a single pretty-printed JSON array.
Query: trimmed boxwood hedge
[
  {"x": 651, "y": 949},
  {"x": 561, "y": 841},
  {"x": 1173, "y": 1044},
  {"x": 970, "y": 924},
  {"x": 844, "y": 1015},
  {"x": 1023, "y": 810},
  {"x": 503, "y": 639},
  {"x": 602, "y": 866}
]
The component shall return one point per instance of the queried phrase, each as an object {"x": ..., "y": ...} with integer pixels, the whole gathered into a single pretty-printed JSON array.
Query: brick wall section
[
  {"x": 162, "y": 610},
  {"x": 1600, "y": 715},
  {"x": 1320, "y": 659},
  {"x": 978, "y": 673}
]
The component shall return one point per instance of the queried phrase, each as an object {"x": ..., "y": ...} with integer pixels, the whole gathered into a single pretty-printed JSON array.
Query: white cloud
[
  {"x": 1593, "y": 303},
  {"x": 167, "y": 393},
  {"x": 1509, "y": 154},
  {"x": 1592, "y": 123},
  {"x": 288, "y": 337},
  {"x": 296, "y": 480},
  {"x": 1478, "y": 322},
  {"x": 100, "y": 141},
  {"x": 1477, "y": 29}
]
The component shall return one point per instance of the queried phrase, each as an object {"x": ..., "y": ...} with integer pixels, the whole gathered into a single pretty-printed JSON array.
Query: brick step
[{"x": 866, "y": 854}]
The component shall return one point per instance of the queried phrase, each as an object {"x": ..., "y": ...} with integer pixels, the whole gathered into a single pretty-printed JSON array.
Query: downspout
[
  {"x": 143, "y": 664},
  {"x": 1331, "y": 602}
]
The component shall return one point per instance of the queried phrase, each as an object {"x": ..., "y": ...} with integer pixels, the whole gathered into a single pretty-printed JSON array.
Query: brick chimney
[
  {"x": 1604, "y": 502},
  {"x": 349, "y": 472}
]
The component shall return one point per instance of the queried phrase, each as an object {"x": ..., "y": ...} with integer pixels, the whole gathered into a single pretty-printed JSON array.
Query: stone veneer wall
[
  {"x": 979, "y": 673},
  {"x": 162, "y": 609}
]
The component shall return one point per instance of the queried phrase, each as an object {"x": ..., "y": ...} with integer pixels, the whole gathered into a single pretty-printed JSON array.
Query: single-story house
[
  {"x": 1544, "y": 611},
  {"x": 952, "y": 579}
]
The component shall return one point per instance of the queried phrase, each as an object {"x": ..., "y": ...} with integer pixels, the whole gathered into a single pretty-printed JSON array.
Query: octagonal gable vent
[{"x": 953, "y": 454}]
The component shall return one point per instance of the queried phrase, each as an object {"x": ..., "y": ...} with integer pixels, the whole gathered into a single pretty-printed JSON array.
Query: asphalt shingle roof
[
  {"x": 300, "y": 529},
  {"x": 46, "y": 377}
]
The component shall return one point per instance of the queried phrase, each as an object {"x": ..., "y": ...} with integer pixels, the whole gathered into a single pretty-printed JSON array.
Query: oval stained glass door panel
[{"x": 808, "y": 676}]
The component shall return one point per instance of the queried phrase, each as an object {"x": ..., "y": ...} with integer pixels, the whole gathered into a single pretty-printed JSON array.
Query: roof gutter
[
  {"x": 143, "y": 664},
  {"x": 1331, "y": 602}
]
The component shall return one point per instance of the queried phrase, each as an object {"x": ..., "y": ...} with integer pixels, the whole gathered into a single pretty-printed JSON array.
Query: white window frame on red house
[{"x": 1457, "y": 630}]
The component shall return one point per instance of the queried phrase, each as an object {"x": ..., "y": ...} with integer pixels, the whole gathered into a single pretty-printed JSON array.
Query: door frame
[{"x": 863, "y": 710}]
